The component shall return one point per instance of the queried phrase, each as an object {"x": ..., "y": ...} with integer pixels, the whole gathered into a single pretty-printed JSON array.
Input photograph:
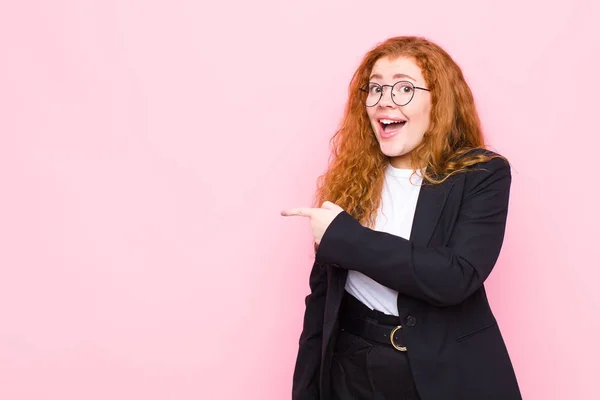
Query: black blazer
[{"x": 455, "y": 347}]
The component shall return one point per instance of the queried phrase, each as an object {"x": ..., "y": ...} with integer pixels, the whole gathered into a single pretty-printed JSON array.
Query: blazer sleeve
[
  {"x": 440, "y": 275},
  {"x": 306, "y": 383}
]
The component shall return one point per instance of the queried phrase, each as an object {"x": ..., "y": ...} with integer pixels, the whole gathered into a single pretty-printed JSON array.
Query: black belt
[
  {"x": 385, "y": 334},
  {"x": 371, "y": 329}
]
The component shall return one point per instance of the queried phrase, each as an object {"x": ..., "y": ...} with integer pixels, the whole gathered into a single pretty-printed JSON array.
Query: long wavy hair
[{"x": 355, "y": 175}]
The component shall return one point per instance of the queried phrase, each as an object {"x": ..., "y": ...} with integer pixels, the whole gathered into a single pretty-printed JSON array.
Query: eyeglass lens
[{"x": 402, "y": 93}]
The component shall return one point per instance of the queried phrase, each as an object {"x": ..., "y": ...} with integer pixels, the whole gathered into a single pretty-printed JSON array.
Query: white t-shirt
[{"x": 395, "y": 216}]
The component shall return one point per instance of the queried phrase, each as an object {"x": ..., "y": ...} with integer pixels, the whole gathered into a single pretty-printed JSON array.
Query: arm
[
  {"x": 442, "y": 275},
  {"x": 306, "y": 383}
]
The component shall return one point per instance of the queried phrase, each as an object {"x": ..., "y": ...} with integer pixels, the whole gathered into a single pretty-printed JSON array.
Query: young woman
[{"x": 411, "y": 222}]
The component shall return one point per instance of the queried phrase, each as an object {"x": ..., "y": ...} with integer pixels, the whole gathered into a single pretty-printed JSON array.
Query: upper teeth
[{"x": 388, "y": 121}]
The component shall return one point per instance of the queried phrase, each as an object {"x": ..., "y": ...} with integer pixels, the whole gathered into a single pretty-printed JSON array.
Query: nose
[{"x": 386, "y": 98}]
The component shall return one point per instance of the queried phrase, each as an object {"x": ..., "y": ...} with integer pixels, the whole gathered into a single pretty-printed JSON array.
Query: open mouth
[{"x": 391, "y": 125}]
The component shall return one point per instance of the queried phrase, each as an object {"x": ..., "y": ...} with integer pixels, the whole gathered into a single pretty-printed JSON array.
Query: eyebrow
[{"x": 377, "y": 76}]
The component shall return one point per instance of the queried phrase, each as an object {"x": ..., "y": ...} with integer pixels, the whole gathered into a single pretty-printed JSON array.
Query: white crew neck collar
[{"x": 403, "y": 172}]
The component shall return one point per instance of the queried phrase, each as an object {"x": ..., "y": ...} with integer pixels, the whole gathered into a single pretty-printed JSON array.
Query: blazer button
[{"x": 411, "y": 321}]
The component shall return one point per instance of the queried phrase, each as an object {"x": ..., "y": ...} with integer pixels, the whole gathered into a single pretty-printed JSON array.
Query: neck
[{"x": 402, "y": 162}]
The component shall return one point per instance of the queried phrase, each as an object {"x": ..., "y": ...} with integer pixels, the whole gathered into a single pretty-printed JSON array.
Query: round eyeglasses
[{"x": 402, "y": 93}]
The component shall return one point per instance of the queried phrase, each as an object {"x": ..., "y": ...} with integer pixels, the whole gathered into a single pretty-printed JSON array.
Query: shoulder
[
  {"x": 490, "y": 160},
  {"x": 494, "y": 169}
]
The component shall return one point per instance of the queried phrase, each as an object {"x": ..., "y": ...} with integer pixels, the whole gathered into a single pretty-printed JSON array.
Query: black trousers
[{"x": 363, "y": 369}]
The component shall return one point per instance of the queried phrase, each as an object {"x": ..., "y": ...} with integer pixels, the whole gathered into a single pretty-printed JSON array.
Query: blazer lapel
[{"x": 429, "y": 208}]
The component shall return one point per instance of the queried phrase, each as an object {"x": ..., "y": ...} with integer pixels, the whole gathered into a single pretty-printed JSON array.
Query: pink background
[{"x": 147, "y": 147}]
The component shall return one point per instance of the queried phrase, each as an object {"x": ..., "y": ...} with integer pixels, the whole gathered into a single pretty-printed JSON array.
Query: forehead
[{"x": 388, "y": 67}]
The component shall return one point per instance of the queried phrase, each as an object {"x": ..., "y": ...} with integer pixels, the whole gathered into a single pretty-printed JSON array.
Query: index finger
[{"x": 301, "y": 211}]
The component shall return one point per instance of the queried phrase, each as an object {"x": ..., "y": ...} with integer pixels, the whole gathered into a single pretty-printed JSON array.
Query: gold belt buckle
[{"x": 399, "y": 348}]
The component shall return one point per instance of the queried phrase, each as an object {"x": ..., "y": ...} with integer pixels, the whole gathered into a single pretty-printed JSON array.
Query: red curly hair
[{"x": 354, "y": 178}]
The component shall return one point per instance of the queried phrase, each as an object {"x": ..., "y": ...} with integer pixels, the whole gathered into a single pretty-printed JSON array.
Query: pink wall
[{"x": 147, "y": 147}]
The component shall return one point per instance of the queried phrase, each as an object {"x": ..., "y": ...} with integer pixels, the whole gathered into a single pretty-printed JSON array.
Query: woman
[{"x": 411, "y": 223}]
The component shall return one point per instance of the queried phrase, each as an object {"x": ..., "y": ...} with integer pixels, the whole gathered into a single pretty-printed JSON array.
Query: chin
[{"x": 396, "y": 150}]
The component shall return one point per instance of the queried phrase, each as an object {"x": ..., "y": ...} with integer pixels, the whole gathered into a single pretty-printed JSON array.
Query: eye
[
  {"x": 374, "y": 88},
  {"x": 405, "y": 88}
]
